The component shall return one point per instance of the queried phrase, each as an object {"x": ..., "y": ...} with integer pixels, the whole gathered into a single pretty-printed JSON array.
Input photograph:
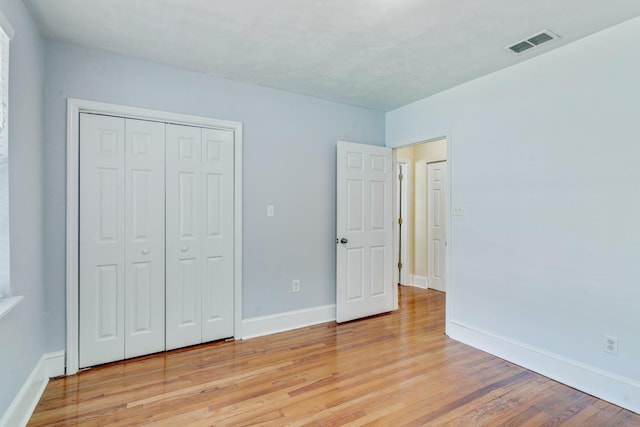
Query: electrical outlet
[
  {"x": 458, "y": 211},
  {"x": 611, "y": 344},
  {"x": 295, "y": 286}
]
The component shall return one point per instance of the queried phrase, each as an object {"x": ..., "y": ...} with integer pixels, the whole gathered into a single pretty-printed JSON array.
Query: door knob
[
  {"x": 344, "y": 241},
  {"x": 145, "y": 251},
  {"x": 185, "y": 248}
]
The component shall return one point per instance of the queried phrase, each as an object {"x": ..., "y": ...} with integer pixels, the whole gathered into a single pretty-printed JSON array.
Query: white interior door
[
  {"x": 121, "y": 238},
  {"x": 217, "y": 286},
  {"x": 128, "y": 202},
  {"x": 144, "y": 271},
  {"x": 437, "y": 224},
  {"x": 200, "y": 235},
  {"x": 102, "y": 239},
  {"x": 184, "y": 236},
  {"x": 364, "y": 223}
]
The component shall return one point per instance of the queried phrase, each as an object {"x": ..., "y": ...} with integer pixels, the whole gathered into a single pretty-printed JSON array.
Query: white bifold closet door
[
  {"x": 199, "y": 235},
  {"x": 122, "y": 225}
]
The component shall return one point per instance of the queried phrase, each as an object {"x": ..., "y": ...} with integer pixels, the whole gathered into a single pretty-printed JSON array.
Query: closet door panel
[
  {"x": 218, "y": 222},
  {"x": 184, "y": 231},
  {"x": 102, "y": 239},
  {"x": 145, "y": 258}
]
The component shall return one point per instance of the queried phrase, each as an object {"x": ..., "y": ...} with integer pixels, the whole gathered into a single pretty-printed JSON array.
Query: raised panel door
[
  {"x": 364, "y": 225},
  {"x": 145, "y": 224},
  {"x": 184, "y": 236},
  {"x": 102, "y": 239},
  {"x": 437, "y": 225},
  {"x": 218, "y": 226}
]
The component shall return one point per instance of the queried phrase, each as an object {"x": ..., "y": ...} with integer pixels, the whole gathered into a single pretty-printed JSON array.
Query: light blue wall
[
  {"x": 289, "y": 161},
  {"x": 21, "y": 332},
  {"x": 544, "y": 164}
]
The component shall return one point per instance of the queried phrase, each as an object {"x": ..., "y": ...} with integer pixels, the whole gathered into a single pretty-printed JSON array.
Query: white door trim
[
  {"x": 74, "y": 108},
  {"x": 395, "y": 244},
  {"x": 405, "y": 277}
]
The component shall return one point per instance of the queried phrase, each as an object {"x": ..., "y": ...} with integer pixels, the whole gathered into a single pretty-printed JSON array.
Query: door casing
[
  {"x": 401, "y": 238},
  {"x": 74, "y": 108}
]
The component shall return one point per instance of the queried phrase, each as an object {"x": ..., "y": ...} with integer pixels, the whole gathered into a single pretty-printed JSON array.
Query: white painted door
[
  {"x": 121, "y": 238},
  {"x": 144, "y": 210},
  {"x": 102, "y": 239},
  {"x": 437, "y": 224},
  {"x": 217, "y": 285},
  {"x": 199, "y": 230},
  {"x": 184, "y": 236},
  {"x": 364, "y": 224}
]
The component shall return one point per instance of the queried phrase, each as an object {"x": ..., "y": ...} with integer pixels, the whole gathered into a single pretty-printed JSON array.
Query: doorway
[{"x": 424, "y": 257}]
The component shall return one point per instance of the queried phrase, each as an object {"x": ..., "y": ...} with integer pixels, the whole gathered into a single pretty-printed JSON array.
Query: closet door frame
[{"x": 74, "y": 108}]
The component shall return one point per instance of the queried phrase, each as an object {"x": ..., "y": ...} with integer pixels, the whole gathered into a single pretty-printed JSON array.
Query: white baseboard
[
  {"x": 438, "y": 288},
  {"x": 55, "y": 363},
  {"x": 605, "y": 385},
  {"x": 265, "y": 325},
  {"x": 421, "y": 282},
  {"x": 23, "y": 405}
]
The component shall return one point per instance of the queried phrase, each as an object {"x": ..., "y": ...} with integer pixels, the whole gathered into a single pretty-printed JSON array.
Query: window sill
[{"x": 7, "y": 304}]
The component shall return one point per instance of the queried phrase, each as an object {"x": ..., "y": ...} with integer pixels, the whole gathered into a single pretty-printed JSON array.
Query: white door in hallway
[
  {"x": 121, "y": 288},
  {"x": 199, "y": 235},
  {"x": 364, "y": 223},
  {"x": 437, "y": 224}
]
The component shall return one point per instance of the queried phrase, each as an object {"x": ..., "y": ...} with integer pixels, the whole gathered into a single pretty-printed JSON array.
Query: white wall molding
[
  {"x": 6, "y": 26},
  {"x": 420, "y": 139},
  {"x": 55, "y": 363},
  {"x": 605, "y": 385},
  {"x": 281, "y": 322},
  {"x": 23, "y": 405},
  {"x": 438, "y": 288},
  {"x": 8, "y": 304},
  {"x": 421, "y": 282}
]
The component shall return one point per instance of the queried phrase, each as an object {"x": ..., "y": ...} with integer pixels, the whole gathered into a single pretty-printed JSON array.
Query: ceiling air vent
[{"x": 533, "y": 41}]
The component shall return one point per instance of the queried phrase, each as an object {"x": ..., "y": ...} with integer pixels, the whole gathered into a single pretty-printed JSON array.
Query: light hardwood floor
[{"x": 390, "y": 370}]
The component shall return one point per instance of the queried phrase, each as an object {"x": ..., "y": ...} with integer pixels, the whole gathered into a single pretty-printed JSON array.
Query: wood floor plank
[{"x": 388, "y": 370}]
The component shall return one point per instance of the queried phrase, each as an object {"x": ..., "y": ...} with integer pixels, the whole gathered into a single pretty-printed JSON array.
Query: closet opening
[{"x": 150, "y": 192}]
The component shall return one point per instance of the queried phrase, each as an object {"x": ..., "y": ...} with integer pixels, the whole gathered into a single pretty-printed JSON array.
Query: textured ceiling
[{"x": 379, "y": 54}]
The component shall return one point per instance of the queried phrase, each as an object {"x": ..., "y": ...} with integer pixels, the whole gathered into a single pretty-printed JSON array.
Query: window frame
[{"x": 7, "y": 300}]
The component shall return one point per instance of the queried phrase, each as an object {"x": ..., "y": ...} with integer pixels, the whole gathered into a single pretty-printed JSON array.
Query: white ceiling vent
[{"x": 532, "y": 41}]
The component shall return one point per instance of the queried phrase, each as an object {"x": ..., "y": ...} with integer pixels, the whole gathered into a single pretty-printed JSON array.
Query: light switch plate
[{"x": 270, "y": 211}]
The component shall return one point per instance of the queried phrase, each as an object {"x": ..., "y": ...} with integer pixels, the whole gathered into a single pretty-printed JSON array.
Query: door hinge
[
  {"x": 400, "y": 177},
  {"x": 400, "y": 221},
  {"x": 399, "y": 266}
]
